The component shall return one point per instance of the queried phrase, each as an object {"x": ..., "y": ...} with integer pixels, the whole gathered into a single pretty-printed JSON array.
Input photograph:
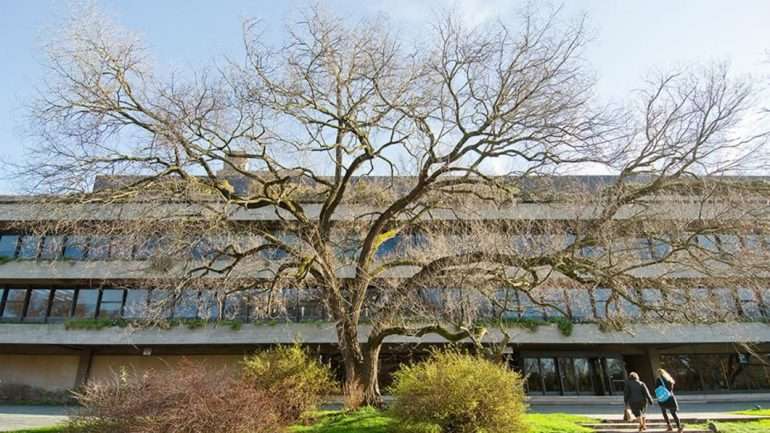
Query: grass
[
  {"x": 755, "y": 412},
  {"x": 557, "y": 423},
  {"x": 51, "y": 429},
  {"x": 370, "y": 420},
  {"x": 761, "y": 426}
]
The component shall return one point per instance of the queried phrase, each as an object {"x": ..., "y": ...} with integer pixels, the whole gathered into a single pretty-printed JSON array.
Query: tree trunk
[{"x": 361, "y": 385}]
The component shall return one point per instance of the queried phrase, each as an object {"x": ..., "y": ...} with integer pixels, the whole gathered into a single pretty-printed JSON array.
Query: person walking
[
  {"x": 664, "y": 393},
  {"x": 636, "y": 396}
]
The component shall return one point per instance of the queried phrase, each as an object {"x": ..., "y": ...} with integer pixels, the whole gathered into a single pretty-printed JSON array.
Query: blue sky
[{"x": 631, "y": 38}]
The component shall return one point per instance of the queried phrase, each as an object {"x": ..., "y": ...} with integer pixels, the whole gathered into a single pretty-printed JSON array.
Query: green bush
[
  {"x": 289, "y": 372},
  {"x": 453, "y": 392}
]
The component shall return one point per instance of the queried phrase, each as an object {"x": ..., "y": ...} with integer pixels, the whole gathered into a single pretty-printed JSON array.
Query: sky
[{"x": 631, "y": 39}]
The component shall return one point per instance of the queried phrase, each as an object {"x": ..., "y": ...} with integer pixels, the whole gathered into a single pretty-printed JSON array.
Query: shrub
[
  {"x": 457, "y": 393},
  {"x": 290, "y": 373},
  {"x": 186, "y": 399}
]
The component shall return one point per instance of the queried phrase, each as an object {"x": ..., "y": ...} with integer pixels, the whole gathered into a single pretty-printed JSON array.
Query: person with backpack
[
  {"x": 664, "y": 394},
  {"x": 636, "y": 396}
]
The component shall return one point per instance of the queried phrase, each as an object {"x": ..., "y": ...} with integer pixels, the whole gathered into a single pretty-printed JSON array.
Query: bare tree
[{"x": 351, "y": 140}]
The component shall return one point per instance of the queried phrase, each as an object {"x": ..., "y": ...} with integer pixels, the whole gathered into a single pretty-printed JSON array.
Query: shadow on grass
[{"x": 366, "y": 420}]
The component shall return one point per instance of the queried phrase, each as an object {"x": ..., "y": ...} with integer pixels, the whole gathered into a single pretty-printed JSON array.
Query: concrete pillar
[
  {"x": 653, "y": 358},
  {"x": 84, "y": 367}
]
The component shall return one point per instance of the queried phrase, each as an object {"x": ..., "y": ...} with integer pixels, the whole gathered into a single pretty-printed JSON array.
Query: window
[
  {"x": 236, "y": 306},
  {"x": 111, "y": 303},
  {"x": 37, "y": 307},
  {"x": 8, "y": 246},
  {"x": 136, "y": 303},
  {"x": 616, "y": 371},
  {"x": 28, "y": 247},
  {"x": 51, "y": 248},
  {"x": 532, "y": 373},
  {"x": 750, "y": 306},
  {"x": 208, "y": 307},
  {"x": 601, "y": 299},
  {"x": 580, "y": 304},
  {"x": 628, "y": 305},
  {"x": 726, "y": 304},
  {"x": 707, "y": 242},
  {"x": 147, "y": 248},
  {"x": 186, "y": 305},
  {"x": 61, "y": 306},
  {"x": 161, "y": 303},
  {"x": 121, "y": 248},
  {"x": 555, "y": 297},
  {"x": 98, "y": 248},
  {"x": 14, "y": 303},
  {"x": 204, "y": 249},
  {"x": 75, "y": 247},
  {"x": 85, "y": 306},
  {"x": 528, "y": 308}
]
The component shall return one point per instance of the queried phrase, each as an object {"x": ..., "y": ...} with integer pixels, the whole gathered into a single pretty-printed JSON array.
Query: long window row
[
  {"x": 79, "y": 247},
  {"x": 716, "y": 372},
  {"x": 40, "y": 305},
  {"x": 587, "y": 305},
  {"x": 578, "y": 305}
]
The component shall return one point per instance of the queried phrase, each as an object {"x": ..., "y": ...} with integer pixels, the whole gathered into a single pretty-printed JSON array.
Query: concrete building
[{"x": 59, "y": 292}]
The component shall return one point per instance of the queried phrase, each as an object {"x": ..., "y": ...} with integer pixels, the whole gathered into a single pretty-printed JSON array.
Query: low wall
[{"x": 46, "y": 372}]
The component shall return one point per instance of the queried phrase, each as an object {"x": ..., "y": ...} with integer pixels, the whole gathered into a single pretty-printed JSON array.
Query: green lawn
[
  {"x": 762, "y": 426},
  {"x": 373, "y": 421},
  {"x": 755, "y": 412},
  {"x": 51, "y": 429}
]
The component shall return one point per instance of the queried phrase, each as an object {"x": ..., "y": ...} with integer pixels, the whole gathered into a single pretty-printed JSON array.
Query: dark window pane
[
  {"x": 14, "y": 304},
  {"x": 28, "y": 247},
  {"x": 86, "y": 303},
  {"x": 617, "y": 374},
  {"x": 8, "y": 246},
  {"x": 551, "y": 379},
  {"x": 99, "y": 248},
  {"x": 208, "y": 305},
  {"x": 38, "y": 305},
  {"x": 51, "y": 248},
  {"x": 112, "y": 301},
  {"x": 75, "y": 247},
  {"x": 62, "y": 303},
  {"x": 532, "y": 372},
  {"x": 186, "y": 305},
  {"x": 236, "y": 306},
  {"x": 567, "y": 371},
  {"x": 136, "y": 303},
  {"x": 583, "y": 376}
]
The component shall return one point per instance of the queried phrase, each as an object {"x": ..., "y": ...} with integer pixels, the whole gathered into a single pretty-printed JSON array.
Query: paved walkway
[
  {"x": 688, "y": 409},
  {"x": 23, "y": 417}
]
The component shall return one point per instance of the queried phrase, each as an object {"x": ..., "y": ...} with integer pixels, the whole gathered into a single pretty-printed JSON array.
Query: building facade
[{"x": 69, "y": 302}]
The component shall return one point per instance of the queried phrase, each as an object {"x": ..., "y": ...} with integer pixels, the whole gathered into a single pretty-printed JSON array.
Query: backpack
[{"x": 662, "y": 393}]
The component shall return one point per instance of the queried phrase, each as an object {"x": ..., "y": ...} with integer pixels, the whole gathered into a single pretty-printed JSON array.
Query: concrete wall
[
  {"x": 104, "y": 367},
  {"x": 47, "y": 372}
]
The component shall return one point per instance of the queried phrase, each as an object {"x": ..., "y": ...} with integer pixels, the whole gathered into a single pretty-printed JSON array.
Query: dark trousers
[{"x": 673, "y": 415}]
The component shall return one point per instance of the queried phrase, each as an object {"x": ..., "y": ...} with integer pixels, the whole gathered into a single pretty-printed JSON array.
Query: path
[{"x": 19, "y": 417}]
